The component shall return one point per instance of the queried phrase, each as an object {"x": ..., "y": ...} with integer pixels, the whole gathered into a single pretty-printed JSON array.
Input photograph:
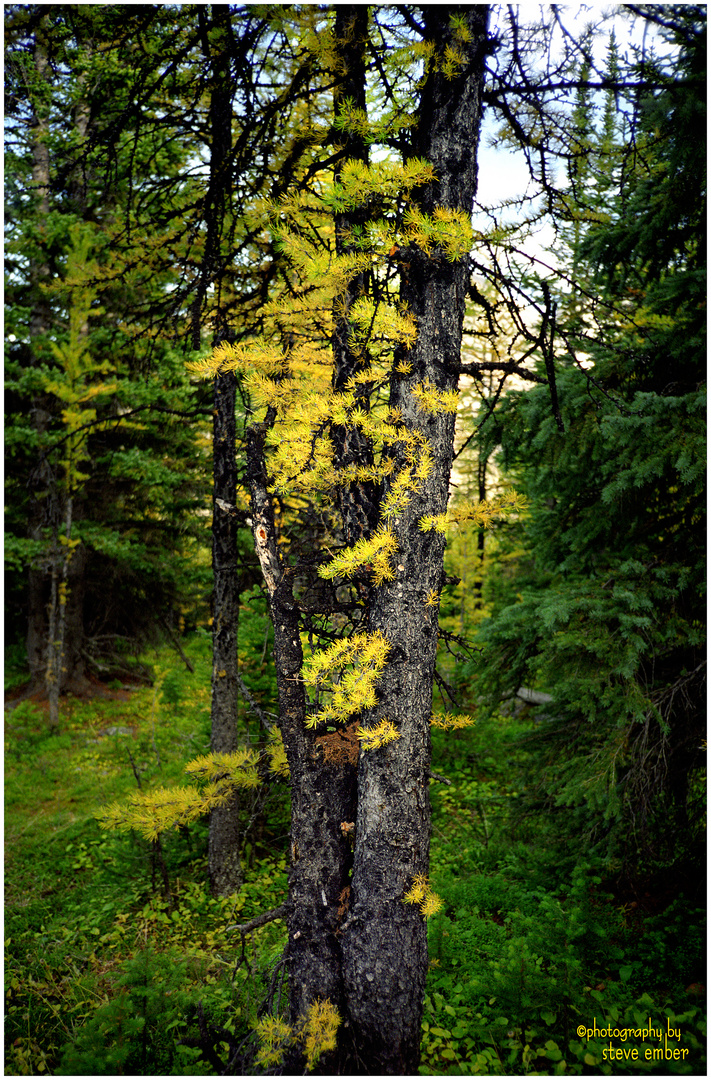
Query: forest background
[{"x": 147, "y": 154}]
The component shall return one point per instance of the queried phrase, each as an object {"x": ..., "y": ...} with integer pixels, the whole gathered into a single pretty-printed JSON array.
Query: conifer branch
[
  {"x": 510, "y": 367},
  {"x": 421, "y": 894},
  {"x": 380, "y": 735}
]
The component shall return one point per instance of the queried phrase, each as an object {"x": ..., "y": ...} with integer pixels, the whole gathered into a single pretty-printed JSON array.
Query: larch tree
[{"x": 380, "y": 305}]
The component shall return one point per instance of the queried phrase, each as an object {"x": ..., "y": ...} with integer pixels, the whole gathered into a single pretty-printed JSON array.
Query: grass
[
  {"x": 106, "y": 976},
  {"x": 83, "y": 908}
]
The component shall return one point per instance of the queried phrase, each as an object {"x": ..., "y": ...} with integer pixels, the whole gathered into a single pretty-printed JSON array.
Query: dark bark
[
  {"x": 322, "y": 767},
  {"x": 358, "y": 501},
  {"x": 42, "y": 483},
  {"x": 481, "y": 467},
  {"x": 224, "y": 860},
  {"x": 225, "y": 868},
  {"x": 385, "y": 941},
  {"x": 322, "y": 777}
]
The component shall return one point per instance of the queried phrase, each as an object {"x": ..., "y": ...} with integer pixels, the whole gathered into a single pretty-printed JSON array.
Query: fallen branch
[
  {"x": 176, "y": 645},
  {"x": 254, "y": 924},
  {"x": 259, "y": 920},
  {"x": 439, "y": 779}
]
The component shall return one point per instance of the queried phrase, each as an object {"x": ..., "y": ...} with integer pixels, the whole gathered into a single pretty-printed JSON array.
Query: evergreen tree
[
  {"x": 53, "y": 183},
  {"x": 610, "y": 619}
]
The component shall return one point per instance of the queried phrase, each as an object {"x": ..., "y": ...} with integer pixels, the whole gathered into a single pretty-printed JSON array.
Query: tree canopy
[{"x": 282, "y": 200}]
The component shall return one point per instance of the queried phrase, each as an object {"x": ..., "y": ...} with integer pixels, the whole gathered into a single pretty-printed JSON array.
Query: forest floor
[{"x": 544, "y": 959}]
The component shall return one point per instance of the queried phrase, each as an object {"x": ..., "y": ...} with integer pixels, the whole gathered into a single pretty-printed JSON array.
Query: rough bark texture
[
  {"x": 357, "y": 502},
  {"x": 385, "y": 941},
  {"x": 322, "y": 777},
  {"x": 224, "y": 861},
  {"x": 225, "y": 868},
  {"x": 323, "y": 767},
  {"x": 352, "y": 939}
]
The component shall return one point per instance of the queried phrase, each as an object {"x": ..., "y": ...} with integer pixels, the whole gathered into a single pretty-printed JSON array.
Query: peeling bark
[{"x": 322, "y": 786}]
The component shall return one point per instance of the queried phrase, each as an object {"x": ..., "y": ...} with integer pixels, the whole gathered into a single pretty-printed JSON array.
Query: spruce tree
[
  {"x": 121, "y": 584},
  {"x": 606, "y": 611}
]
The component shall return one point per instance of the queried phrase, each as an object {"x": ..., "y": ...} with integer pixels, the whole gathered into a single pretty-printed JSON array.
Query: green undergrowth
[
  {"x": 536, "y": 966},
  {"x": 104, "y": 974},
  {"x": 537, "y": 950}
]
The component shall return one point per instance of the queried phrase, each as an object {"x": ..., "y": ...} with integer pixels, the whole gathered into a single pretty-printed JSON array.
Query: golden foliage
[
  {"x": 432, "y": 400},
  {"x": 352, "y": 666},
  {"x": 316, "y": 1031},
  {"x": 289, "y": 370},
  {"x": 380, "y": 735},
  {"x": 448, "y": 230},
  {"x": 374, "y": 553},
  {"x": 481, "y": 515},
  {"x": 275, "y": 1035},
  {"x": 276, "y": 751},
  {"x": 151, "y": 813},
  {"x": 421, "y": 893},
  {"x": 295, "y": 381},
  {"x": 450, "y": 722},
  {"x": 319, "y": 1031},
  {"x": 239, "y": 768}
]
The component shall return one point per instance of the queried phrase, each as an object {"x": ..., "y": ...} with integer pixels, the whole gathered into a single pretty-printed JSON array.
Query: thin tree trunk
[
  {"x": 58, "y": 618},
  {"x": 322, "y": 783},
  {"x": 478, "y": 585},
  {"x": 225, "y": 868},
  {"x": 42, "y": 482},
  {"x": 55, "y": 635},
  {"x": 358, "y": 503},
  {"x": 224, "y": 860}
]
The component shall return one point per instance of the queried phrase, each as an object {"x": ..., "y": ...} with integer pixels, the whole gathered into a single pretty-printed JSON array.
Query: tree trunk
[
  {"x": 225, "y": 868},
  {"x": 55, "y": 627},
  {"x": 42, "y": 482},
  {"x": 358, "y": 503},
  {"x": 481, "y": 467},
  {"x": 385, "y": 941},
  {"x": 352, "y": 939},
  {"x": 322, "y": 777}
]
